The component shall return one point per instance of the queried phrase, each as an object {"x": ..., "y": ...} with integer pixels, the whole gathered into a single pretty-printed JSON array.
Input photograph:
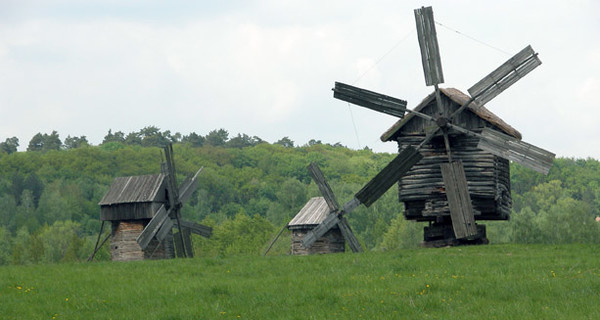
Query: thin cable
[
  {"x": 368, "y": 70},
  {"x": 383, "y": 56},
  {"x": 476, "y": 40},
  {"x": 354, "y": 125}
]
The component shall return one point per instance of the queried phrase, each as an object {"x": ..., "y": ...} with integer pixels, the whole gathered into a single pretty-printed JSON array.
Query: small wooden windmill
[
  {"x": 449, "y": 145},
  {"x": 143, "y": 211}
]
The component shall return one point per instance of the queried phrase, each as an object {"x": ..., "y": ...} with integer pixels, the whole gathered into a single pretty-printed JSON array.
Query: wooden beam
[
  {"x": 370, "y": 99},
  {"x": 349, "y": 236},
  {"x": 388, "y": 176},
  {"x": 459, "y": 200},
  {"x": 153, "y": 226},
  {"x": 512, "y": 149}
]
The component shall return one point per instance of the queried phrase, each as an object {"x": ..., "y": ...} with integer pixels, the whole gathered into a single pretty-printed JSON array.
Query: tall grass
[{"x": 490, "y": 282}]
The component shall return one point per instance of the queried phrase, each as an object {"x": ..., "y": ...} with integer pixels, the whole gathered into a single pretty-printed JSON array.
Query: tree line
[
  {"x": 150, "y": 136},
  {"x": 248, "y": 190}
]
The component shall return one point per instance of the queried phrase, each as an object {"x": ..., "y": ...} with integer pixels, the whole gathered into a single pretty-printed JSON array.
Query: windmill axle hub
[{"x": 442, "y": 122}]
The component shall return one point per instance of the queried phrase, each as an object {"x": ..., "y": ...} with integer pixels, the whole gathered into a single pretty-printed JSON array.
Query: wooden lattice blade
[
  {"x": 183, "y": 249},
  {"x": 349, "y": 235},
  {"x": 515, "y": 150},
  {"x": 329, "y": 222},
  {"x": 153, "y": 227},
  {"x": 459, "y": 200},
  {"x": 187, "y": 188},
  {"x": 369, "y": 99},
  {"x": 388, "y": 176},
  {"x": 504, "y": 76},
  {"x": 430, "y": 52},
  {"x": 164, "y": 230},
  {"x": 324, "y": 187},
  {"x": 171, "y": 176},
  {"x": 196, "y": 228}
]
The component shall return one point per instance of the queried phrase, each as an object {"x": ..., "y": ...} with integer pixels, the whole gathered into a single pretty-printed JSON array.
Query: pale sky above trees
[{"x": 266, "y": 68}]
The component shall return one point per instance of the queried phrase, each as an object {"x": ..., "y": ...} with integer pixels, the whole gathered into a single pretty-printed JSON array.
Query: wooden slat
[
  {"x": 430, "y": 52},
  {"x": 187, "y": 188},
  {"x": 312, "y": 236},
  {"x": 324, "y": 187},
  {"x": 349, "y": 235},
  {"x": 153, "y": 226},
  {"x": 370, "y": 99},
  {"x": 512, "y": 149},
  {"x": 459, "y": 201},
  {"x": 164, "y": 230},
  {"x": 505, "y": 76},
  {"x": 171, "y": 176},
  {"x": 187, "y": 238},
  {"x": 177, "y": 238},
  {"x": 388, "y": 176},
  {"x": 196, "y": 228}
]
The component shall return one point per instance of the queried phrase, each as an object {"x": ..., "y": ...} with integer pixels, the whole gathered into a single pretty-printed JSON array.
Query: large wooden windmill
[
  {"x": 454, "y": 153},
  {"x": 144, "y": 210}
]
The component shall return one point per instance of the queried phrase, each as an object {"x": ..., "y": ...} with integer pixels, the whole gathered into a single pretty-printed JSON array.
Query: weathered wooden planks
[
  {"x": 522, "y": 152},
  {"x": 430, "y": 52},
  {"x": 504, "y": 76},
  {"x": 388, "y": 176},
  {"x": 153, "y": 227},
  {"x": 459, "y": 201},
  {"x": 369, "y": 99},
  {"x": 349, "y": 235},
  {"x": 330, "y": 242},
  {"x": 324, "y": 187}
]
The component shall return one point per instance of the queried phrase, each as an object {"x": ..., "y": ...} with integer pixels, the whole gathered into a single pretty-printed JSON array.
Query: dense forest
[{"x": 250, "y": 188}]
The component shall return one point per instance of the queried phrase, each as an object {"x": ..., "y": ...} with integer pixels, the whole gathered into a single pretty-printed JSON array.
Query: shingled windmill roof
[
  {"x": 133, "y": 189},
  {"x": 460, "y": 98},
  {"x": 313, "y": 213}
]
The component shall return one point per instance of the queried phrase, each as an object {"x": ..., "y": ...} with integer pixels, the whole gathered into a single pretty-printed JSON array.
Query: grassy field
[{"x": 483, "y": 282}]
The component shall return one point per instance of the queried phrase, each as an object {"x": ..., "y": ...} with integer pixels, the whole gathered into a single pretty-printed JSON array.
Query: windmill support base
[{"x": 438, "y": 235}]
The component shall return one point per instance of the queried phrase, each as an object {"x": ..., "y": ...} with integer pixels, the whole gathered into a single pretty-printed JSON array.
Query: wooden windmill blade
[
  {"x": 153, "y": 227},
  {"x": 515, "y": 150},
  {"x": 372, "y": 191},
  {"x": 375, "y": 188},
  {"x": 181, "y": 238},
  {"x": 504, "y": 76},
  {"x": 430, "y": 52},
  {"x": 370, "y": 99},
  {"x": 332, "y": 219},
  {"x": 188, "y": 187},
  {"x": 171, "y": 176},
  {"x": 459, "y": 200},
  {"x": 319, "y": 178}
]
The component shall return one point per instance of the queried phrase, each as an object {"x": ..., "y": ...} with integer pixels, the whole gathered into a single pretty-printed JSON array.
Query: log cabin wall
[
  {"x": 124, "y": 247},
  {"x": 488, "y": 176},
  {"x": 330, "y": 242}
]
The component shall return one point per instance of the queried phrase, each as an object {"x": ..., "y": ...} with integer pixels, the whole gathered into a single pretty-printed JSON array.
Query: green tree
[
  {"x": 217, "y": 138},
  {"x": 193, "y": 139},
  {"x": 118, "y": 136},
  {"x": 9, "y": 145},
  {"x": 75, "y": 142},
  {"x": 5, "y": 245},
  {"x": 45, "y": 142},
  {"x": 286, "y": 142}
]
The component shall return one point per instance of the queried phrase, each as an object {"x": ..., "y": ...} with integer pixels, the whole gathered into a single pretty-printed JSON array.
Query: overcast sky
[{"x": 266, "y": 68}]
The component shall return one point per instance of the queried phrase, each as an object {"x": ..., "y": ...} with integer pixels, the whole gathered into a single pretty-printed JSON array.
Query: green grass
[{"x": 483, "y": 282}]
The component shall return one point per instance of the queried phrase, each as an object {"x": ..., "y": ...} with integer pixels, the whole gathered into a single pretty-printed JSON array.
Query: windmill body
[
  {"x": 143, "y": 210},
  {"x": 313, "y": 213},
  {"x": 129, "y": 205},
  {"x": 422, "y": 188}
]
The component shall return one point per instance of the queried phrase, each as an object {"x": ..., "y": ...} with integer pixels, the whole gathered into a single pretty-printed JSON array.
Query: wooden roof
[
  {"x": 133, "y": 189},
  {"x": 313, "y": 213},
  {"x": 460, "y": 98}
]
